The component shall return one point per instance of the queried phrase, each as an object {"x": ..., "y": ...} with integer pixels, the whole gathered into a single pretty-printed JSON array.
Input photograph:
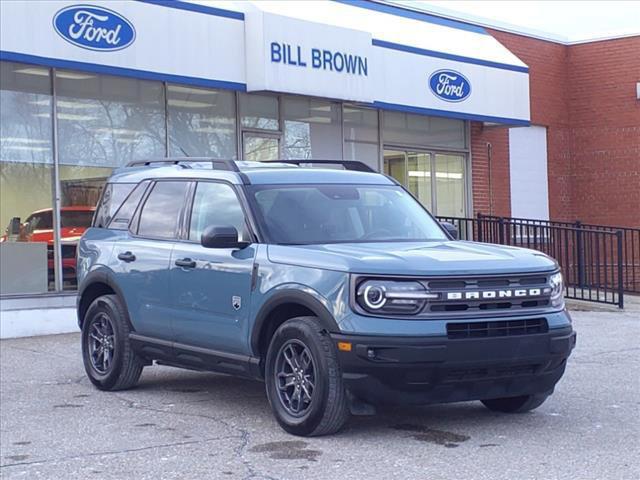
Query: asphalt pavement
[{"x": 190, "y": 425}]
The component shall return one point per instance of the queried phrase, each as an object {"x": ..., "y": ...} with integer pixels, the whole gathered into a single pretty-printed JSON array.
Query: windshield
[{"x": 315, "y": 214}]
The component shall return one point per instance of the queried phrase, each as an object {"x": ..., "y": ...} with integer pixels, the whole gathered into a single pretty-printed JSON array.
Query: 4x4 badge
[{"x": 236, "y": 302}]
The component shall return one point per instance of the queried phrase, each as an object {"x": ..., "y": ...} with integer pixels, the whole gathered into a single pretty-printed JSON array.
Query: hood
[{"x": 416, "y": 259}]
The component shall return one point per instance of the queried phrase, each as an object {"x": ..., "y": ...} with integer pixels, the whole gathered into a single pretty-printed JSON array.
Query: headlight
[
  {"x": 392, "y": 297},
  {"x": 557, "y": 289}
]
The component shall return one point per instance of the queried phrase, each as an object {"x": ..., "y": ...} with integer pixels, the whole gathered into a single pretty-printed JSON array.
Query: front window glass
[
  {"x": 315, "y": 214},
  {"x": 215, "y": 204}
]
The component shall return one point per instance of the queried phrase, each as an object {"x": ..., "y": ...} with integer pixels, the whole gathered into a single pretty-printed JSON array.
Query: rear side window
[
  {"x": 123, "y": 216},
  {"x": 161, "y": 211},
  {"x": 112, "y": 197}
]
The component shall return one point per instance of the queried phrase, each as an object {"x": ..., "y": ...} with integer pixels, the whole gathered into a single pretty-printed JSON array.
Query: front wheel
[
  {"x": 522, "y": 404},
  {"x": 108, "y": 358},
  {"x": 304, "y": 380}
]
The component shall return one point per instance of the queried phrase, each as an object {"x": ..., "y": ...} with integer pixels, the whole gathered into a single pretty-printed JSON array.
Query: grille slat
[{"x": 507, "y": 328}]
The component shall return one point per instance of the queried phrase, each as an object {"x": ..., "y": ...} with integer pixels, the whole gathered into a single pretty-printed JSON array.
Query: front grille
[
  {"x": 507, "y": 328},
  {"x": 68, "y": 251},
  {"x": 493, "y": 294}
]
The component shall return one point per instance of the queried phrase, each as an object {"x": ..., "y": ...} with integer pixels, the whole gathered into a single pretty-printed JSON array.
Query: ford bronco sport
[{"x": 334, "y": 287}]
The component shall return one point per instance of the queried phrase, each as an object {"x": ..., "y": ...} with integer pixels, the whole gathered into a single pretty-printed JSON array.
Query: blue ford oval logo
[
  {"x": 449, "y": 85},
  {"x": 94, "y": 28}
]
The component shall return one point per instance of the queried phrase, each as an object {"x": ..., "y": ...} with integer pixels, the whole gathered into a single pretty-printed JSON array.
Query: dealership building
[{"x": 470, "y": 118}]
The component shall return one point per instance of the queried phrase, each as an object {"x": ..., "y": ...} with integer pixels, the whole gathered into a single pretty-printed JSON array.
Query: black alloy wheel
[
  {"x": 295, "y": 377},
  {"x": 101, "y": 343}
]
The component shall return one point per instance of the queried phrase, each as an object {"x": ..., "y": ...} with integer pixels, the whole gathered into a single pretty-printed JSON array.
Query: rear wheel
[
  {"x": 108, "y": 358},
  {"x": 522, "y": 404},
  {"x": 303, "y": 379}
]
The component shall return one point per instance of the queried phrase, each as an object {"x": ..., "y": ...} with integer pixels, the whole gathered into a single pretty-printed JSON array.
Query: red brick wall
[
  {"x": 605, "y": 125},
  {"x": 585, "y": 96}
]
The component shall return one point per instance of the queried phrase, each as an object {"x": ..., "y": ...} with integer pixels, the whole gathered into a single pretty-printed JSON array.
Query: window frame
[
  {"x": 249, "y": 218},
  {"x": 134, "y": 224}
]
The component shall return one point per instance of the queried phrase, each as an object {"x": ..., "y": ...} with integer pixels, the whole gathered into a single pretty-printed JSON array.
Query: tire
[
  {"x": 107, "y": 317},
  {"x": 326, "y": 409},
  {"x": 522, "y": 404}
]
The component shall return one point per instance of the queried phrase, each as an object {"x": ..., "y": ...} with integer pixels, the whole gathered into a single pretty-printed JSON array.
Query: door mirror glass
[
  {"x": 221, "y": 237},
  {"x": 451, "y": 229}
]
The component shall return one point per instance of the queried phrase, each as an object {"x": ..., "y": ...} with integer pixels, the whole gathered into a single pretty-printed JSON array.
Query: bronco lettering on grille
[{"x": 490, "y": 294}]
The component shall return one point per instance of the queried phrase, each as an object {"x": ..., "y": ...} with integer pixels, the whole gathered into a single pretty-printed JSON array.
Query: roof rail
[
  {"x": 216, "y": 164},
  {"x": 347, "y": 164}
]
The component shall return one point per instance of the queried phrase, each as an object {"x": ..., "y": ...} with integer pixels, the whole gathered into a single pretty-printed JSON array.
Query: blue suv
[{"x": 333, "y": 286}]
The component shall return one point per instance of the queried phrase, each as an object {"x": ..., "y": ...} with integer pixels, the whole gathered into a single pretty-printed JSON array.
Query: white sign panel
[
  {"x": 291, "y": 55},
  {"x": 194, "y": 46},
  {"x": 426, "y": 82}
]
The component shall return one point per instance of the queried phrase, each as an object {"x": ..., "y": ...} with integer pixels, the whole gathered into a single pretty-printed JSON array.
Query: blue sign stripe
[
  {"x": 447, "y": 113},
  {"x": 399, "y": 11},
  {"x": 193, "y": 7},
  {"x": 127, "y": 72},
  {"x": 448, "y": 56}
]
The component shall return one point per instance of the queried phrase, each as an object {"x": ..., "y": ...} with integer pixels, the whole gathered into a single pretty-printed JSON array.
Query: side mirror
[
  {"x": 221, "y": 237},
  {"x": 451, "y": 229}
]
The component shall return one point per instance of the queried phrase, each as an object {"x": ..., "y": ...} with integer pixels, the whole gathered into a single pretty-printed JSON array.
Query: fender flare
[
  {"x": 99, "y": 276},
  {"x": 291, "y": 296}
]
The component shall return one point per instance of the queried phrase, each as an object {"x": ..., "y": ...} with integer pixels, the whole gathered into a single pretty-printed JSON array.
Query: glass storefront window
[
  {"x": 259, "y": 111},
  {"x": 450, "y": 189},
  {"x": 26, "y": 179},
  {"x": 312, "y": 129},
  {"x": 202, "y": 122},
  {"x": 361, "y": 141},
  {"x": 437, "y": 180},
  {"x": 104, "y": 122},
  {"x": 419, "y": 130}
]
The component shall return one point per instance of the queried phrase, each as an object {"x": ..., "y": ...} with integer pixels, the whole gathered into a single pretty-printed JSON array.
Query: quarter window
[
  {"x": 123, "y": 215},
  {"x": 216, "y": 204},
  {"x": 161, "y": 211}
]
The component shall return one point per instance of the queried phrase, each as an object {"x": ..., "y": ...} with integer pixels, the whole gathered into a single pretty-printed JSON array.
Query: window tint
[
  {"x": 113, "y": 196},
  {"x": 40, "y": 221},
  {"x": 123, "y": 216},
  {"x": 315, "y": 214},
  {"x": 215, "y": 204},
  {"x": 161, "y": 211},
  {"x": 76, "y": 218}
]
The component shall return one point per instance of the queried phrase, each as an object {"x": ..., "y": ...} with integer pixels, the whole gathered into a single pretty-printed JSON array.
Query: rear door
[
  {"x": 210, "y": 287},
  {"x": 143, "y": 257}
]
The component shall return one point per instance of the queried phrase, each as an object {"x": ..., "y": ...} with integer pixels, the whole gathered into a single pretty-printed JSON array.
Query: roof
[{"x": 253, "y": 173}]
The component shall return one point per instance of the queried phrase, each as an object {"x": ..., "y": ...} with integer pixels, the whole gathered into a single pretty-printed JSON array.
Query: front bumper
[{"x": 422, "y": 370}]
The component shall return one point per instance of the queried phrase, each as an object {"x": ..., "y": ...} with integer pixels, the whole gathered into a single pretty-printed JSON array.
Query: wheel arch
[
  {"x": 279, "y": 308},
  {"x": 94, "y": 285}
]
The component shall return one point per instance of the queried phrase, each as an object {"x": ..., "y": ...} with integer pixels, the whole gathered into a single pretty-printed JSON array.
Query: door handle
[
  {"x": 186, "y": 263},
  {"x": 127, "y": 257}
]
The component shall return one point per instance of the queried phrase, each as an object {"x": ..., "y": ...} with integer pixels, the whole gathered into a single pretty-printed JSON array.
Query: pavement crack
[{"x": 116, "y": 452}]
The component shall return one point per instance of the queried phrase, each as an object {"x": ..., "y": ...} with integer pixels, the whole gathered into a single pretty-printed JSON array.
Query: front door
[{"x": 211, "y": 287}]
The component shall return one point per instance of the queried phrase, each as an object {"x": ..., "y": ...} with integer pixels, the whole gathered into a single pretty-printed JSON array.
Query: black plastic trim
[{"x": 291, "y": 296}]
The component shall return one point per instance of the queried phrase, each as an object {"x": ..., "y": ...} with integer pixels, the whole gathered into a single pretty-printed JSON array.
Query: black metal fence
[{"x": 599, "y": 263}]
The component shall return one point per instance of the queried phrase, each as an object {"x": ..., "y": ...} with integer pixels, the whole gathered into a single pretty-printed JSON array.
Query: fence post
[
  {"x": 501, "y": 231},
  {"x": 580, "y": 253},
  {"x": 620, "y": 279},
  {"x": 479, "y": 216}
]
